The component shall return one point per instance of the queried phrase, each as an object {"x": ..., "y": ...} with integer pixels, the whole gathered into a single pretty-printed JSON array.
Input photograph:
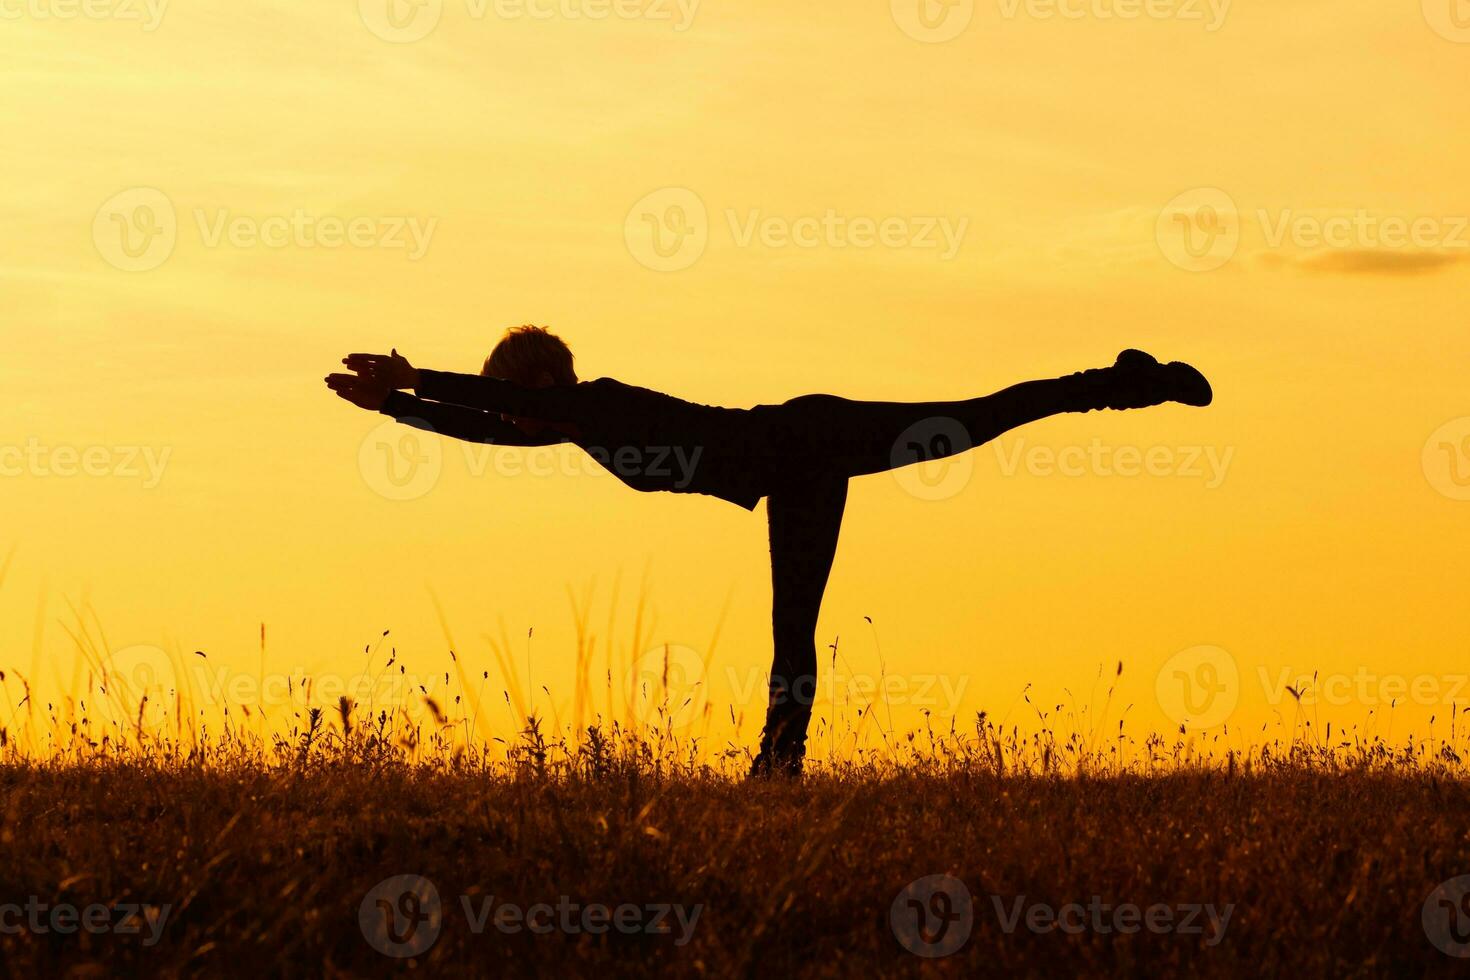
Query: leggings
[{"x": 825, "y": 441}]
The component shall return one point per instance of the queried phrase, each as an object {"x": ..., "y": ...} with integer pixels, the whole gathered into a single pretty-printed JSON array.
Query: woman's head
[{"x": 532, "y": 357}]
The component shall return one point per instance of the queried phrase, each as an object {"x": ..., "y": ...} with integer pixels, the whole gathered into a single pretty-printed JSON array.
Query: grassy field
[
  {"x": 343, "y": 839},
  {"x": 1314, "y": 863}
]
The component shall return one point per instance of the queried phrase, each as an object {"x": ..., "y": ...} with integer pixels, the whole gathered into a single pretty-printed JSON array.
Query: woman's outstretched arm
[
  {"x": 456, "y": 421},
  {"x": 461, "y": 422},
  {"x": 555, "y": 404}
]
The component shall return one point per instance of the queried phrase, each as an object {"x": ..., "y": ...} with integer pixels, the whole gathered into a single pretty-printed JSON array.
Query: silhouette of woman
[{"x": 799, "y": 455}]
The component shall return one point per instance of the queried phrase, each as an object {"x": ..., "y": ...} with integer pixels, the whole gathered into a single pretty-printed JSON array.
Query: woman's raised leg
[{"x": 855, "y": 438}]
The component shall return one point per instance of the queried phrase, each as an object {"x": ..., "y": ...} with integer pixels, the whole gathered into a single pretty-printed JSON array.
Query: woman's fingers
[
  {"x": 368, "y": 362},
  {"x": 359, "y": 391},
  {"x": 348, "y": 391}
]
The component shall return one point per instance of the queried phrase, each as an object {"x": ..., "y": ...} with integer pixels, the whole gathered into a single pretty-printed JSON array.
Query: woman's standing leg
[{"x": 804, "y": 522}]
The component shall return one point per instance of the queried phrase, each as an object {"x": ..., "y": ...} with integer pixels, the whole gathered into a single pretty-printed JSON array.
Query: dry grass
[
  {"x": 255, "y": 840},
  {"x": 1327, "y": 857}
]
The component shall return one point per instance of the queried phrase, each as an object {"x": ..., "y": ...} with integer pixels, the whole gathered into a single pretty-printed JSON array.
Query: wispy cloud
[{"x": 1367, "y": 261}]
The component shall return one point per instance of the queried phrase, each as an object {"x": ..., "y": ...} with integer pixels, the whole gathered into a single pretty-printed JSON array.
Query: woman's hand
[
  {"x": 364, "y": 391},
  {"x": 390, "y": 369}
]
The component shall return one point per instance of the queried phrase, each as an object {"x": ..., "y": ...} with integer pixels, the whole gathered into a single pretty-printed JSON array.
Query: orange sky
[{"x": 207, "y": 205}]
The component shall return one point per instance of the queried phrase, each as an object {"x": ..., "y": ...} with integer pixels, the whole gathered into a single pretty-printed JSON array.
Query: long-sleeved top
[{"x": 648, "y": 440}]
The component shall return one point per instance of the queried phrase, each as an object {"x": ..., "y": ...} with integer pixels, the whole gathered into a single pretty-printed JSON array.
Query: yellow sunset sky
[{"x": 1275, "y": 192}]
